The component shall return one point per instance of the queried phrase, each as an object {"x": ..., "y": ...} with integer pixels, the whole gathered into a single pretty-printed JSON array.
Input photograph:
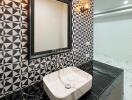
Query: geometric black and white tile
[{"x": 16, "y": 71}]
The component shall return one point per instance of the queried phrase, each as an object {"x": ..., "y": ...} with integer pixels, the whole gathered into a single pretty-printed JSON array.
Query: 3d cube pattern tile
[{"x": 16, "y": 71}]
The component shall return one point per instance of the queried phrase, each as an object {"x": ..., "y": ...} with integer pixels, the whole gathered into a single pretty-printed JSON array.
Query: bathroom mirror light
[
  {"x": 82, "y": 6},
  {"x": 85, "y": 7}
]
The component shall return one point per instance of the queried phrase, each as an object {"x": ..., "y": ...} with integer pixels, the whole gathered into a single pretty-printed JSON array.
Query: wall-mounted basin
[{"x": 67, "y": 84}]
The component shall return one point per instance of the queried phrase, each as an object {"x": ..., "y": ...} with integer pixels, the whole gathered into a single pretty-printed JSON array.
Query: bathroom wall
[
  {"x": 113, "y": 36},
  {"x": 16, "y": 71},
  {"x": 112, "y": 45}
]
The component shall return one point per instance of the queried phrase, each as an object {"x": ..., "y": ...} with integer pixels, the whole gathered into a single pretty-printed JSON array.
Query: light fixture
[
  {"x": 82, "y": 5},
  {"x": 85, "y": 7},
  {"x": 125, "y": 2}
]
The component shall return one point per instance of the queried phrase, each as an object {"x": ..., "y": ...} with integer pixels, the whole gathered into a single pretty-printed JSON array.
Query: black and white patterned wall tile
[
  {"x": 82, "y": 34},
  {"x": 16, "y": 71}
]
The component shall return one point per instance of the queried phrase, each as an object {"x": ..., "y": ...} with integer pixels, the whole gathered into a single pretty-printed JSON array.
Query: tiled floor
[{"x": 127, "y": 66}]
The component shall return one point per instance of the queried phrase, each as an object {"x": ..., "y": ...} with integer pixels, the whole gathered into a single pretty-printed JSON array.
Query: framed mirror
[{"x": 50, "y": 27}]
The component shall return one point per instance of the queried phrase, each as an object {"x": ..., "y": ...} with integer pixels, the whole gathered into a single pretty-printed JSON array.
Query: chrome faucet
[
  {"x": 59, "y": 62},
  {"x": 67, "y": 86}
]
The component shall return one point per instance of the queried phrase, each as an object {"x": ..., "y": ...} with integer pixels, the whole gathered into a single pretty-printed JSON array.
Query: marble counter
[{"x": 107, "y": 85}]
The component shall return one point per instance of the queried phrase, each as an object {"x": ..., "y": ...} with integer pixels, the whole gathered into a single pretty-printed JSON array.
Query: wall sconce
[{"x": 84, "y": 7}]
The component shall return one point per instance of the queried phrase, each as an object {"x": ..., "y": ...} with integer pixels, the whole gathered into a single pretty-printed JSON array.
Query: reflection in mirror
[{"x": 50, "y": 25}]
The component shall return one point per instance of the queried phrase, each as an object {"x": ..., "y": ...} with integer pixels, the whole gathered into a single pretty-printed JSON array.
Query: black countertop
[{"x": 105, "y": 78}]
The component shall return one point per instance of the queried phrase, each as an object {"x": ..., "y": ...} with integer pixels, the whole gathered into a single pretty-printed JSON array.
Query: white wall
[{"x": 113, "y": 37}]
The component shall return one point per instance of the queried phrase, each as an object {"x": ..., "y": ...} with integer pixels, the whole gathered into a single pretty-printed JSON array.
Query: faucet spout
[{"x": 59, "y": 63}]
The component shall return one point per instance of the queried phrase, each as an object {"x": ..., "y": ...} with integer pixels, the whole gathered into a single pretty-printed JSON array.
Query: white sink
[{"x": 67, "y": 84}]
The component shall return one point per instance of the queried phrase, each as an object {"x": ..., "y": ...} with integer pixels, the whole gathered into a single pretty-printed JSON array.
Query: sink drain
[{"x": 67, "y": 86}]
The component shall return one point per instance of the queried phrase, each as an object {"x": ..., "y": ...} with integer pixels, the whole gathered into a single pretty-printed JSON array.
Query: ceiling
[{"x": 101, "y": 5}]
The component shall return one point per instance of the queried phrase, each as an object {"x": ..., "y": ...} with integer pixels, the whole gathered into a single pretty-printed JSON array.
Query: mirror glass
[{"x": 50, "y": 26}]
